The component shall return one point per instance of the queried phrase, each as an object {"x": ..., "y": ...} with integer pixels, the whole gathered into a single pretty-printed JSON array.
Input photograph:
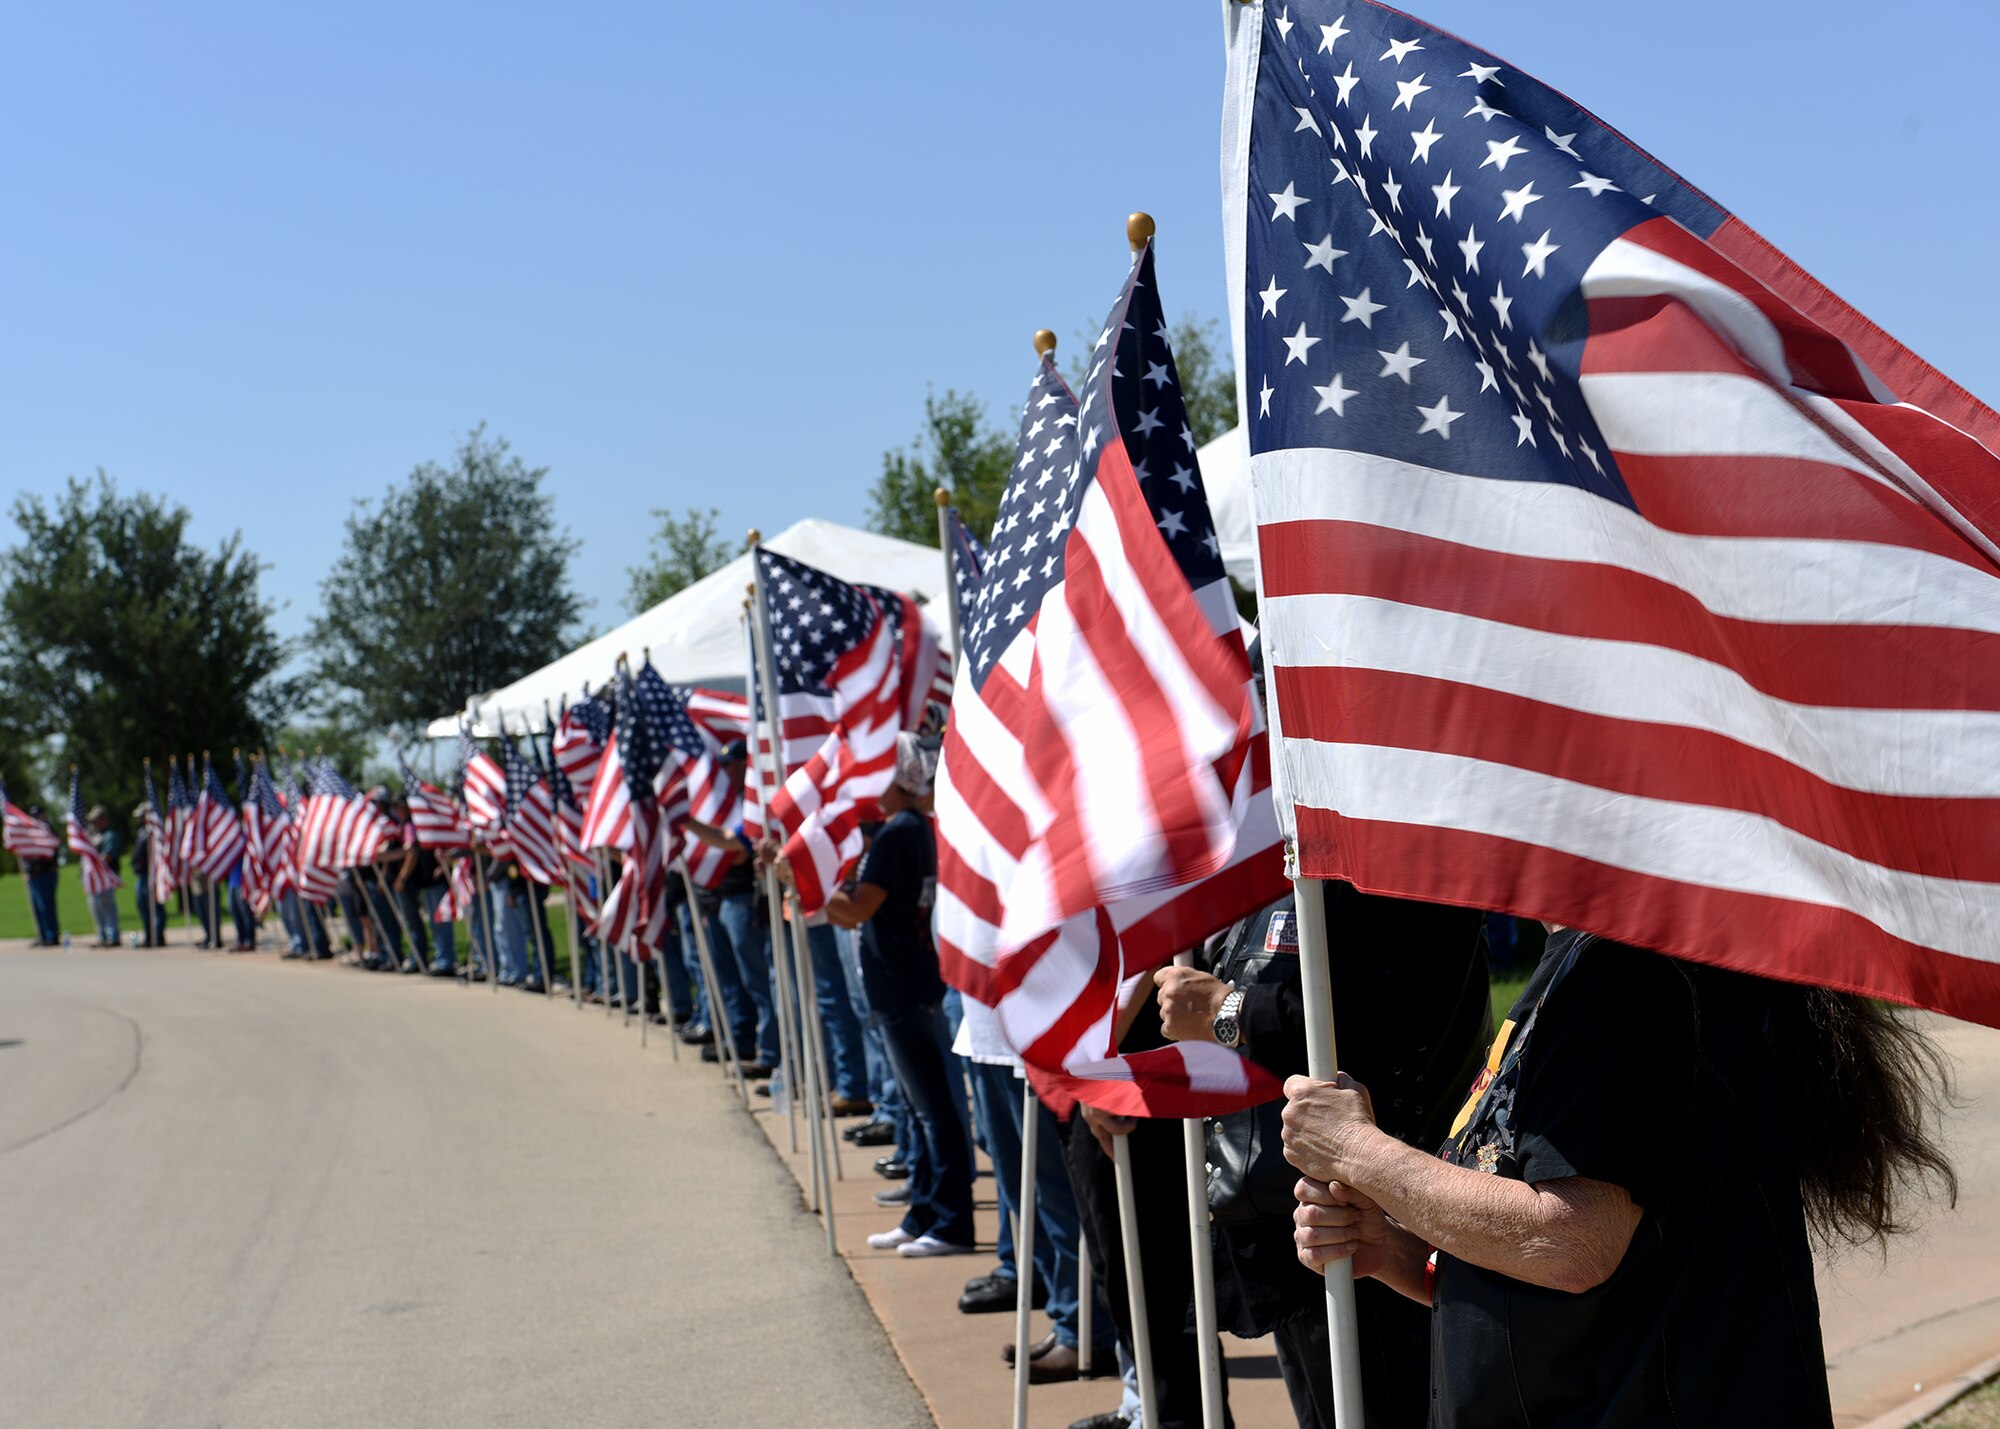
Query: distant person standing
[
  {"x": 152, "y": 919},
  {"x": 104, "y": 906},
  {"x": 40, "y": 873}
]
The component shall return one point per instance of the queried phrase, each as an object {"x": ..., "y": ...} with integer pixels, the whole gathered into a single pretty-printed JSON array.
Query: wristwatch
[{"x": 1227, "y": 1027}]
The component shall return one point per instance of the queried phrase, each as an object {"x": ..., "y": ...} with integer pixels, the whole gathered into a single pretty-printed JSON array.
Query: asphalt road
[{"x": 240, "y": 1192}]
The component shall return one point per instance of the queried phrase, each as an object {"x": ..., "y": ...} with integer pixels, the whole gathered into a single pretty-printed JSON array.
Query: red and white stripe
[
  {"x": 97, "y": 875},
  {"x": 607, "y": 814},
  {"x": 485, "y": 792},
  {"x": 214, "y": 839},
  {"x": 27, "y": 836},
  {"x": 718, "y": 713},
  {"x": 826, "y": 846},
  {"x": 337, "y": 833},
  {"x": 437, "y": 822},
  {"x": 576, "y": 753},
  {"x": 1757, "y": 724},
  {"x": 531, "y": 832}
]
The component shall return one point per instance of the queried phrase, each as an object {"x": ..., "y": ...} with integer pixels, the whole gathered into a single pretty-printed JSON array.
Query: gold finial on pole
[
  {"x": 943, "y": 498},
  {"x": 645, "y": 654},
  {"x": 204, "y": 756},
  {"x": 756, "y": 537},
  {"x": 1045, "y": 341},
  {"x": 1139, "y": 230},
  {"x": 147, "y": 761}
]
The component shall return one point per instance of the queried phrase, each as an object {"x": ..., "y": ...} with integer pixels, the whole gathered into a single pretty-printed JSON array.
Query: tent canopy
[
  {"x": 696, "y": 636},
  {"x": 1225, "y": 476}
]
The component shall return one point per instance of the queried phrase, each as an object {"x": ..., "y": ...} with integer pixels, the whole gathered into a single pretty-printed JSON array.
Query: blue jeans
[
  {"x": 737, "y": 1007},
  {"x": 517, "y": 959},
  {"x": 841, "y": 1030},
  {"x": 679, "y": 988},
  {"x": 690, "y": 975},
  {"x": 750, "y": 945},
  {"x": 388, "y": 932},
  {"x": 104, "y": 911},
  {"x": 996, "y": 1093},
  {"x": 443, "y": 935},
  {"x": 941, "y": 1175},
  {"x": 882, "y": 1088},
  {"x": 241, "y": 911},
  {"x": 150, "y": 931}
]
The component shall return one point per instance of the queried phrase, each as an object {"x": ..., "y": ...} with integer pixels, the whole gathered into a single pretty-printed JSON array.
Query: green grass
[
  {"x": 1978, "y": 1410},
  {"x": 72, "y": 908}
]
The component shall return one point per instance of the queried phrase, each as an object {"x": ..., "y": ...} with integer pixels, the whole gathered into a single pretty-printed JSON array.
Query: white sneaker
[
  {"x": 894, "y": 1239},
  {"x": 930, "y": 1245}
]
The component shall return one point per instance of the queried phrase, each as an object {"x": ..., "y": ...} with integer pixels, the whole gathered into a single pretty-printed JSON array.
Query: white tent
[
  {"x": 1225, "y": 475},
  {"x": 696, "y": 637}
]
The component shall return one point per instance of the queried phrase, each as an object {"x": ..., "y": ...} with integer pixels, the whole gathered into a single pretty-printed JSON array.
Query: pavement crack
[{"x": 131, "y": 1072}]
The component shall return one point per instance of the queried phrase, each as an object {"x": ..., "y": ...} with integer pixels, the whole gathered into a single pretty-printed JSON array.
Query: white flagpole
[
  {"x": 718, "y": 1015},
  {"x": 1194, "y": 1146},
  {"x": 815, "y": 1035},
  {"x": 764, "y": 675},
  {"x": 1024, "y": 1250},
  {"x": 603, "y": 943},
  {"x": 1086, "y": 1311},
  {"x": 949, "y": 547},
  {"x": 1135, "y": 1283},
  {"x": 569, "y": 879}
]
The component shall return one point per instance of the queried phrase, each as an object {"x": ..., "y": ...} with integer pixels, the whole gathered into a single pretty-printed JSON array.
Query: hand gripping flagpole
[
  {"x": 1194, "y": 1147},
  {"x": 753, "y": 604},
  {"x": 791, "y": 980}
]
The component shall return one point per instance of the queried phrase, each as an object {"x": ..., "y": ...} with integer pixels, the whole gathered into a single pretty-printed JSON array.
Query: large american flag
[
  {"x": 437, "y": 823},
  {"x": 579, "y": 866},
  {"x": 1614, "y": 572},
  {"x": 484, "y": 784},
  {"x": 968, "y": 562},
  {"x": 26, "y": 835},
  {"x": 179, "y": 804},
  {"x": 270, "y": 857},
  {"x": 1102, "y": 802},
  {"x": 97, "y": 875},
  {"x": 339, "y": 828},
  {"x": 213, "y": 840},
  {"x": 580, "y": 736},
  {"x": 531, "y": 816},
  {"x": 634, "y": 914},
  {"x": 163, "y": 871}
]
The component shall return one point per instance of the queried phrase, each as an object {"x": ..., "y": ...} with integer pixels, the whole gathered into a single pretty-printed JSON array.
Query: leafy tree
[
  {"x": 957, "y": 450},
  {"x": 455, "y": 584},
  {"x": 126, "y": 640},
  {"x": 684, "y": 549}
]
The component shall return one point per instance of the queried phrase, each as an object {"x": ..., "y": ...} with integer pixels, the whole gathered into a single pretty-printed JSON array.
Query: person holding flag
[
  {"x": 100, "y": 879},
  {"x": 34, "y": 844},
  {"x": 104, "y": 905}
]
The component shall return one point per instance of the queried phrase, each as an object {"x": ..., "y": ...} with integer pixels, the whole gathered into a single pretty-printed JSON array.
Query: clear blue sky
[{"x": 265, "y": 258}]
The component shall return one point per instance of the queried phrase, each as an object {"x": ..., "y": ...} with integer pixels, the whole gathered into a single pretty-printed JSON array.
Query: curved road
[{"x": 238, "y": 1191}]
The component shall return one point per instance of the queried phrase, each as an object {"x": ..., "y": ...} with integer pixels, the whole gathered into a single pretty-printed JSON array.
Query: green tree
[
  {"x": 126, "y": 640},
  {"x": 456, "y": 583},
  {"x": 684, "y": 549},
  {"x": 957, "y": 450}
]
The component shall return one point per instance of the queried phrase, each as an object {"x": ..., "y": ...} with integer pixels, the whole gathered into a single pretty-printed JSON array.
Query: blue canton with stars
[
  {"x": 652, "y": 722},
  {"x": 594, "y": 714},
  {"x": 814, "y": 619},
  {"x": 1132, "y": 388},
  {"x": 1420, "y": 220}
]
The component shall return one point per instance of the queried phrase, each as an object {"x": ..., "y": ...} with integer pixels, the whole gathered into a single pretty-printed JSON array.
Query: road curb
[{"x": 1932, "y": 1400}]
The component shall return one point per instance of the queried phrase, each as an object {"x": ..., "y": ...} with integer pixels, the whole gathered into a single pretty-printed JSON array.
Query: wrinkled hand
[
  {"x": 768, "y": 854},
  {"x": 783, "y": 867},
  {"x": 1103, "y": 1125},
  {"x": 1334, "y": 1222},
  {"x": 1189, "y": 1001},
  {"x": 1325, "y": 1123}
]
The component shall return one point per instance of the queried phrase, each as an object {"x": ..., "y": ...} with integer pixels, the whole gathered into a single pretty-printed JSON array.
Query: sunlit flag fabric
[
  {"x": 1614, "y": 571},
  {"x": 579, "y": 867},
  {"x": 435, "y": 820},
  {"x": 1102, "y": 801},
  {"x": 97, "y": 875},
  {"x": 580, "y": 735},
  {"x": 269, "y": 863},
  {"x": 485, "y": 785},
  {"x": 27, "y": 836},
  {"x": 214, "y": 839},
  {"x": 180, "y": 812},
  {"x": 968, "y": 561},
  {"x": 338, "y": 828},
  {"x": 719, "y": 713},
  {"x": 531, "y": 816},
  {"x": 163, "y": 870},
  {"x": 634, "y": 913}
]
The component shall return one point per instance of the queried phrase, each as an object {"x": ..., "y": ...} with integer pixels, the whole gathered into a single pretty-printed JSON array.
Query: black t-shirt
[
  {"x": 1652, "y": 1074},
  {"x": 428, "y": 871},
  {"x": 899, "y": 966}
]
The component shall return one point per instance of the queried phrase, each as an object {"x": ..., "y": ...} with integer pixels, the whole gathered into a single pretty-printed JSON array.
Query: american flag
[
  {"x": 26, "y": 835},
  {"x": 435, "y": 820},
  {"x": 97, "y": 875},
  {"x": 461, "y": 894},
  {"x": 968, "y": 562},
  {"x": 1102, "y": 801},
  {"x": 1614, "y": 572},
  {"x": 579, "y": 867},
  {"x": 163, "y": 871},
  {"x": 634, "y": 914},
  {"x": 580, "y": 736},
  {"x": 180, "y": 806},
  {"x": 270, "y": 862},
  {"x": 484, "y": 784},
  {"x": 339, "y": 828},
  {"x": 531, "y": 816},
  {"x": 719, "y": 713},
  {"x": 213, "y": 840},
  {"x": 855, "y": 664}
]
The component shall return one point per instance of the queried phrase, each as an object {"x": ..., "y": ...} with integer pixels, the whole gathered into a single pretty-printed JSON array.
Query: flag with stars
[
  {"x": 97, "y": 875},
  {"x": 162, "y": 872},
  {"x": 1102, "y": 801},
  {"x": 435, "y": 821},
  {"x": 484, "y": 784},
  {"x": 269, "y": 857},
  {"x": 214, "y": 838},
  {"x": 578, "y": 865},
  {"x": 632, "y": 819},
  {"x": 339, "y": 828},
  {"x": 531, "y": 815},
  {"x": 856, "y": 665},
  {"x": 968, "y": 563},
  {"x": 1614, "y": 571},
  {"x": 578, "y": 744}
]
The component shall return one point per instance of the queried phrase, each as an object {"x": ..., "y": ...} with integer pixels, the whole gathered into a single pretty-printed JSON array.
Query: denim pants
[
  {"x": 149, "y": 913},
  {"x": 840, "y": 1029},
  {"x": 737, "y": 1006},
  {"x": 690, "y": 975},
  {"x": 882, "y": 1089},
  {"x": 388, "y": 932},
  {"x": 292, "y": 913},
  {"x": 104, "y": 911},
  {"x": 751, "y": 947},
  {"x": 409, "y": 902},
  {"x": 517, "y": 959},
  {"x": 941, "y": 1176},
  {"x": 443, "y": 935},
  {"x": 674, "y": 972},
  {"x": 996, "y": 1092},
  {"x": 241, "y": 911},
  {"x": 479, "y": 934},
  {"x": 42, "y": 898}
]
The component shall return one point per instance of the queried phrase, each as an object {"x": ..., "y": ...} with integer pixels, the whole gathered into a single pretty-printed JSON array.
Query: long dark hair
[{"x": 1866, "y": 1091}]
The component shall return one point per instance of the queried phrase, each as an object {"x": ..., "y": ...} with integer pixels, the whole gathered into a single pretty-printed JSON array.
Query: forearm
[
  {"x": 715, "y": 838},
  {"x": 1565, "y": 1235},
  {"x": 1403, "y": 1265}
]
